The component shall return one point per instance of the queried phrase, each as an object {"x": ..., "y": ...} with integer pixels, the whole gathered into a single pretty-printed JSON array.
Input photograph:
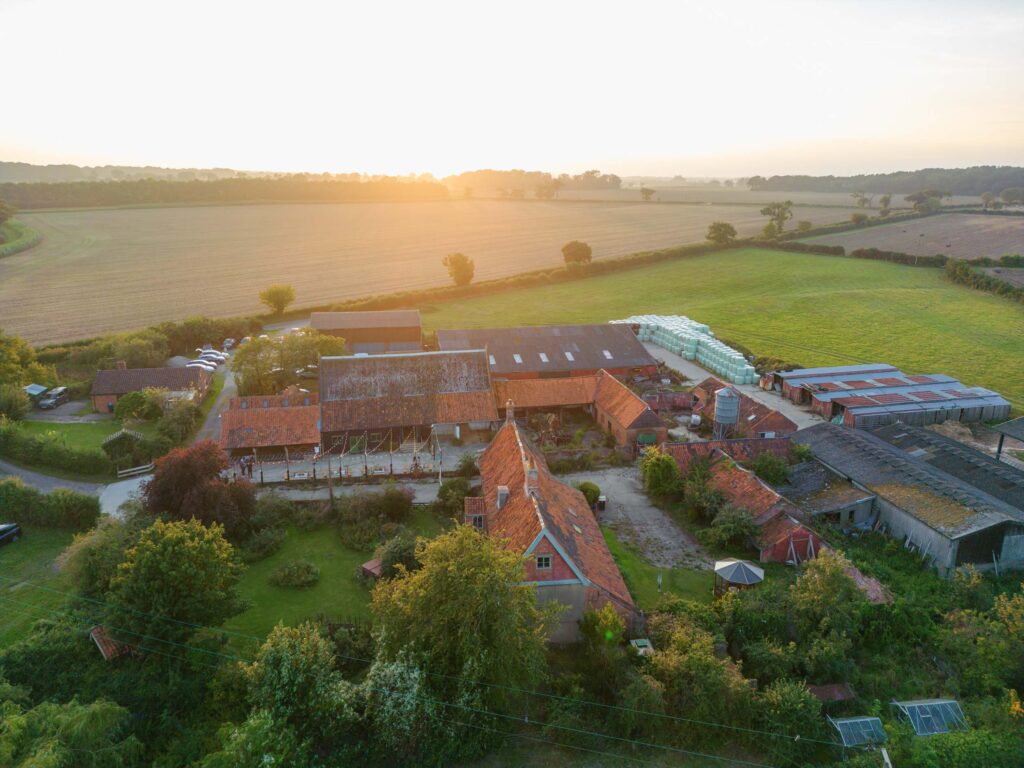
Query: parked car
[
  {"x": 205, "y": 365},
  {"x": 245, "y": 340},
  {"x": 53, "y": 398},
  {"x": 9, "y": 533},
  {"x": 228, "y": 344},
  {"x": 213, "y": 357},
  {"x": 311, "y": 371}
]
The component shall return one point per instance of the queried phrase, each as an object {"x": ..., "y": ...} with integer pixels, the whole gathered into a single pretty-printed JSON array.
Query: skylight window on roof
[
  {"x": 607, "y": 354},
  {"x": 517, "y": 358},
  {"x": 491, "y": 358},
  {"x": 543, "y": 357},
  {"x": 577, "y": 528},
  {"x": 569, "y": 357}
]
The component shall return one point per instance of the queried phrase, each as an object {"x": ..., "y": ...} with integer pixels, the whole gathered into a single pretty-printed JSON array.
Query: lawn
[
  {"x": 642, "y": 578},
  {"x": 30, "y": 560},
  {"x": 811, "y": 310},
  {"x": 338, "y": 594},
  {"x": 86, "y": 435}
]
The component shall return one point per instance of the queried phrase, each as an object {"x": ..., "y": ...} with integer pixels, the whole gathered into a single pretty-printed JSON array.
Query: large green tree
[
  {"x": 277, "y": 297},
  {"x": 721, "y": 232},
  {"x": 460, "y": 268},
  {"x": 576, "y": 252},
  {"x": 266, "y": 366},
  {"x": 18, "y": 363},
  {"x": 178, "y": 577},
  {"x": 778, "y": 213},
  {"x": 464, "y": 619},
  {"x": 6, "y": 212}
]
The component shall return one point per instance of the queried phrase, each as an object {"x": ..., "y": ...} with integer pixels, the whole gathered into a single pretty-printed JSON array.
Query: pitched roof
[
  {"x": 109, "y": 647},
  {"x": 545, "y": 504},
  {"x": 942, "y": 501},
  {"x": 963, "y": 462},
  {"x": 121, "y": 381},
  {"x": 623, "y": 405},
  {"x": 390, "y": 318},
  {"x": 745, "y": 490},
  {"x": 602, "y": 389},
  {"x": 419, "y": 389},
  {"x": 546, "y": 393},
  {"x": 242, "y": 428},
  {"x": 741, "y": 449},
  {"x": 754, "y": 417},
  {"x": 284, "y": 400},
  {"x": 1013, "y": 428},
  {"x": 553, "y": 348}
]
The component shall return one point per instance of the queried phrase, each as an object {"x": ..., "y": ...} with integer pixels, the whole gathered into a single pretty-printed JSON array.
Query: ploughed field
[
  {"x": 98, "y": 271},
  {"x": 807, "y": 309},
  {"x": 957, "y": 235}
]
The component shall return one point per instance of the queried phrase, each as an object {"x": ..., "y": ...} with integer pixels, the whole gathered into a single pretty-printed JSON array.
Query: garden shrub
[
  {"x": 297, "y": 573},
  {"x": 590, "y": 490},
  {"x": 731, "y": 527},
  {"x": 14, "y": 403},
  {"x": 660, "y": 473},
  {"x": 769, "y": 467},
  {"x": 451, "y": 498},
  {"x": 363, "y": 515},
  {"x": 398, "y": 550},
  {"x": 467, "y": 466},
  {"x": 262, "y": 544}
]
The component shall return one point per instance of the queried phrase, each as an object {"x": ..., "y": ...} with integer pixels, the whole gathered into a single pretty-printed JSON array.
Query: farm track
[{"x": 110, "y": 270}]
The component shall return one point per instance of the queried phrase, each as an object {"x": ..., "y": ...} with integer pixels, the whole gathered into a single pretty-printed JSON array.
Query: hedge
[
  {"x": 61, "y": 508},
  {"x": 44, "y": 451},
  {"x": 18, "y": 237},
  {"x": 963, "y": 273}
]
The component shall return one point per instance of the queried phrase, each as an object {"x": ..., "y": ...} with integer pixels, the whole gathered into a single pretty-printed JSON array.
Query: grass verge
[
  {"x": 642, "y": 577},
  {"x": 30, "y": 560}
]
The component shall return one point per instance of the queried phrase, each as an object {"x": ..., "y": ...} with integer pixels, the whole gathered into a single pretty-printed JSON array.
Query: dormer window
[{"x": 543, "y": 562}]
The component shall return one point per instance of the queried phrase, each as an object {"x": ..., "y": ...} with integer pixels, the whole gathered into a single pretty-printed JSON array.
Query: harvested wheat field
[
  {"x": 957, "y": 235},
  {"x": 108, "y": 270}
]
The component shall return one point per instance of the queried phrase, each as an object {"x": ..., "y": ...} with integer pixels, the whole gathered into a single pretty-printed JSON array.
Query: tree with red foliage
[{"x": 187, "y": 483}]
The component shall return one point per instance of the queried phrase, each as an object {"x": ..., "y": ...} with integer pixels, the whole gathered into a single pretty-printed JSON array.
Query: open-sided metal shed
[{"x": 931, "y": 716}]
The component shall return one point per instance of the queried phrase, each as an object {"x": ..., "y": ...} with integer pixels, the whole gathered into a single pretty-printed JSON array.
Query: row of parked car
[{"x": 208, "y": 358}]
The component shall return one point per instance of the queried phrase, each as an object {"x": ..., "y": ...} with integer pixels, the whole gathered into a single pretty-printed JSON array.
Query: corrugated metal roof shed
[
  {"x": 834, "y": 370},
  {"x": 1013, "y": 428},
  {"x": 390, "y": 318}
]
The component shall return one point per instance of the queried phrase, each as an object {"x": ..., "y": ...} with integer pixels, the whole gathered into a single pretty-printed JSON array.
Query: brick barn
[
  {"x": 613, "y": 405},
  {"x": 756, "y": 419},
  {"x": 270, "y": 427},
  {"x": 380, "y": 402},
  {"x": 110, "y": 385},
  {"x": 551, "y": 525},
  {"x": 395, "y": 330},
  {"x": 555, "y": 351}
]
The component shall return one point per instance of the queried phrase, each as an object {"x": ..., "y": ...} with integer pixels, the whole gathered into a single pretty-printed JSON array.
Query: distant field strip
[
  {"x": 958, "y": 235},
  {"x": 108, "y": 270},
  {"x": 811, "y": 310}
]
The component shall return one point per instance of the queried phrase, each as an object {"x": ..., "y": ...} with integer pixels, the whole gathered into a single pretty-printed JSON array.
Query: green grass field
[
  {"x": 28, "y": 562},
  {"x": 338, "y": 594},
  {"x": 642, "y": 577},
  {"x": 811, "y": 310}
]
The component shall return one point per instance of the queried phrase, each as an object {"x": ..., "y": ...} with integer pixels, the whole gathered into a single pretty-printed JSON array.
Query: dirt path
[{"x": 637, "y": 521}]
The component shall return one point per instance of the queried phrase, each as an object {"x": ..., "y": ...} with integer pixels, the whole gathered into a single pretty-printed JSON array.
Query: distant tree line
[
  {"x": 957, "y": 181},
  {"x": 521, "y": 184},
  {"x": 295, "y": 188}
]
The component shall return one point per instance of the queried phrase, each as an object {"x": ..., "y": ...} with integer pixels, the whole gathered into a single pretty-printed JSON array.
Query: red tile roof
[
  {"x": 245, "y": 428},
  {"x": 745, "y": 490},
  {"x": 421, "y": 389},
  {"x": 546, "y": 393},
  {"x": 623, "y": 405},
  {"x": 743, "y": 449},
  {"x": 755, "y": 417},
  {"x": 121, "y": 381},
  {"x": 546, "y": 504},
  {"x": 832, "y": 692},
  {"x": 109, "y": 647},
  {"x": 285, "y": 400}
]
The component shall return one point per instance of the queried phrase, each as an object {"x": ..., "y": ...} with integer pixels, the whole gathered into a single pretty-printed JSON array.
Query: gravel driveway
[{"x": 637, "y": 521}]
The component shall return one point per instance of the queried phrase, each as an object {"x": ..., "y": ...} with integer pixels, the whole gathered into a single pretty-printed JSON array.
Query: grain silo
[{"x": 727, "y": 411}]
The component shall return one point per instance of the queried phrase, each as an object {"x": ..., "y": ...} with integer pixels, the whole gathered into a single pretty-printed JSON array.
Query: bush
[
  {"x": 731, "y": 527},
  {"x": 262, "y": 544},
  {"x": 48, "y": 450},
  {"x": 467, "y": 466},
  {"x": 297, "y": 573},
  {"x": 451, "y": 498},
  {"x": 660, "y": 473},
  {"x": 61, "y": 508},
  {"x": 399, "y": 550},
  {"x": 590, "y": 490},
  {"x": 362, "y": 516},
  {"x": 143, "y": 405},
  {"x": 178, "y": 421},
  {"x": 14, "y": 403},
  {"x": 770, "y": 468}
]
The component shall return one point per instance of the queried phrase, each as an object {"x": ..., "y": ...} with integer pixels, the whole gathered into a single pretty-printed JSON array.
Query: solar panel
[{"x": 858, "y": 731}]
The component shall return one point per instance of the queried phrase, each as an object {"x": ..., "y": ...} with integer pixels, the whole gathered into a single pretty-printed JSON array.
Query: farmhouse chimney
[
  {"x": 502, "y": 495},
  {"x": 122, "y": 365},
  {"x": 510, "y": 411}
]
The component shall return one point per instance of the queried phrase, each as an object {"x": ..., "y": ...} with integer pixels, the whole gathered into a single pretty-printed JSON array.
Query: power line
[
  {"x": 514, "y": 689},
  {"x": 427, "y": 699}
]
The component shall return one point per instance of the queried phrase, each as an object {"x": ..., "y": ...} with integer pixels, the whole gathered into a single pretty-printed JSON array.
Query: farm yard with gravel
[
  {"x": 98, "y": 271},
  {"x": 957, "y": 235}
]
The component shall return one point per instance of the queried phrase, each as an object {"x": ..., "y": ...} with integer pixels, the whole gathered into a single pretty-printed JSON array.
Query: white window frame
[
  {"x": 569, "y": 357},
  {"x": 477, "y": 521},
  {"x": 543, "y": 357},
  {"x": 518, "y": 358}
]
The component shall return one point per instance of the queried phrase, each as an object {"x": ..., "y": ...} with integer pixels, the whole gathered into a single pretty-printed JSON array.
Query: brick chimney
[
  {"x": 122, "y": 365},
  {"x": 510, "y": 411}
]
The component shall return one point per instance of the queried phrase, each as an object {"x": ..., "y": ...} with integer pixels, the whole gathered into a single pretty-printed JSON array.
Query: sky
[{"x": 713, "y": 88}]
